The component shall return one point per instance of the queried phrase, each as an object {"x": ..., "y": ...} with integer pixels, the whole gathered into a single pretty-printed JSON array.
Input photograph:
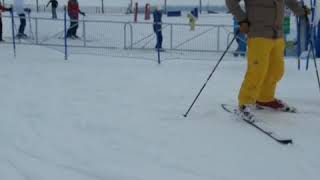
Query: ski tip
[
  {"x": 225, "y": 107},
  {"x": 286, "y": 141}
]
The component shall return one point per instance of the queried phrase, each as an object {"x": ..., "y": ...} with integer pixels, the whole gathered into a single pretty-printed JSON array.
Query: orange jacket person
[{"x": 73, "y": 12}]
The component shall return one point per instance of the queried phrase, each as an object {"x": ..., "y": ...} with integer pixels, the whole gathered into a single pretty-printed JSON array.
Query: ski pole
[
  {"x": 298, "y": 21},
  {"x": 214, "y": 69},
  {"x": 313, "y": 54},
  {"x": 13, "y": 33},
  {"x": 311, "y": 29},
  {"x": 30, "y": 26},
  {"x": 315, "y": 64}
]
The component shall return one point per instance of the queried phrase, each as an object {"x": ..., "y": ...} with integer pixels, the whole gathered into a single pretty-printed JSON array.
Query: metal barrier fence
[
  {"x": 102, "y": 8},
  {"x": 87, "y": 9},
  {"x": 118, "y": 38}
]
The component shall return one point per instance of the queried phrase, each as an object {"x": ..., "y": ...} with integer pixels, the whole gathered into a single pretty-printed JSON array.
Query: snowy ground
[{"x": 121, "y": 119}]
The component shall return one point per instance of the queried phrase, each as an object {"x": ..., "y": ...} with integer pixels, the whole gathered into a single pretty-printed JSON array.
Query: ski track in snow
[{"x": 153, "y": 147}]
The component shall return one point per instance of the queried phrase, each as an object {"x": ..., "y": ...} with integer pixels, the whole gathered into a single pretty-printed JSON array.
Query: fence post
[
  {"x": 136, "y": 9},
  {"x": 37, "y": 5},
  {"x": 84, "y": 32},
  {"x": 125, "y": 36},
  {"x": 36, "y": 24},
  {"x": 165, "y": 6},
  {"x": 171, "y": 36},
  {"x": 102, "y": 8},
  {"x": 159, "y": 61},
  {"x": 218, "y": 39},
  {"x": 13, "y": 35},
  {"x": 131, "y": 36},
  {"x": 65, "y": 34}
]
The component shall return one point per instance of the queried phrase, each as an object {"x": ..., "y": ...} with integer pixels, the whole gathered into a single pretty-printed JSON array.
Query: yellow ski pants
[{"x": 265, "y": 69}]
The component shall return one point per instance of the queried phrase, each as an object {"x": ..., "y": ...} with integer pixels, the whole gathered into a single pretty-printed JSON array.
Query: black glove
[
  {"x": 83, "y": 14},
  {"x": 28, "y": 10},
  {"x": 307, "y": 11},
  {"x": 9, "y": 9},
  {"x": 244, "y": 26}
]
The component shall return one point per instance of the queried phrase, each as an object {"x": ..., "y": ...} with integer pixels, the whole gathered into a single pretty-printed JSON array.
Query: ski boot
[
  {"x": 245, "y": 112},
  {"x": 276, "y": 105}
]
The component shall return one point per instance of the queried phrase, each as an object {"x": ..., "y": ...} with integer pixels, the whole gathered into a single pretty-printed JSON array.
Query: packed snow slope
[{"x": 105, "y": 118}]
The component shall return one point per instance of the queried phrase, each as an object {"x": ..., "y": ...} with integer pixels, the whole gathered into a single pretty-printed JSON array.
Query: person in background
[
  {"x": 192, "y": 21},
  {"x": 2, "y": 9},
  {"x": 157, "y": 27},
  {"x": 241, "y": 39},
  {"x": 73, "y": 12},
  {"x": 54, "y": 6},
  {"x": 20, "y": 10},
  {"x": 129, "y": 8}
]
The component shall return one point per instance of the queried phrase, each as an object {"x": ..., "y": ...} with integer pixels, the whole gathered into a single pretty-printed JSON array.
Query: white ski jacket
[{"x": 19, "y": 6}]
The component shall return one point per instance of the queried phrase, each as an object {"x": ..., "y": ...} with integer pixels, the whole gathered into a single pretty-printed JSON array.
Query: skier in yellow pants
[
  {"x": 265, "y": 69},
  {"x": 262, "y": 22}
]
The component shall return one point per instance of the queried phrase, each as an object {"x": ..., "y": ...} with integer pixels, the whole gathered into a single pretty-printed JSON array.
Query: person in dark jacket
[
  {"x": 54, "y": 5},
  {"x": 2, "y": 9},
  {"x": 73, "y": 12},
  {"x": 157, "y": 28},
  {"x": 20, "y": 10}
]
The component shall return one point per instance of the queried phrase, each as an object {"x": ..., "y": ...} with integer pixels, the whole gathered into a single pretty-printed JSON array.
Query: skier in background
[
  {"x": 2, "y": 9},
  {"x": 20, "y": 10},
  {"x": 262, "y": 21},
  {"x": 129, "y": 8},
  {"x": 54, "y": 5},
  {"x": 241, "y": 39},
  {"x": 73, "y": 12},
  {"x": 192, "y": 21},
  {"x": 157, "y": 27}
]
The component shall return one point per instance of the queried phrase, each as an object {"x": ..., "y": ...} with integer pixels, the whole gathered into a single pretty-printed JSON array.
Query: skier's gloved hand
[
  {"x": 307, "y": 11},
  {"x": 244, "y": 26},
  {"x": 9, "y": 9},
  {"x": 83, "y": 14}
]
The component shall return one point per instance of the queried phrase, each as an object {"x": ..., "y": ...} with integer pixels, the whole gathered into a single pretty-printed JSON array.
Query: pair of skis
[{"x": 260, "y": 126}]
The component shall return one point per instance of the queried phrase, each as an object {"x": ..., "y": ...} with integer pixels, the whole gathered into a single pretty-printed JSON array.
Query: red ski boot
[{"x": 276, "y": 105}]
